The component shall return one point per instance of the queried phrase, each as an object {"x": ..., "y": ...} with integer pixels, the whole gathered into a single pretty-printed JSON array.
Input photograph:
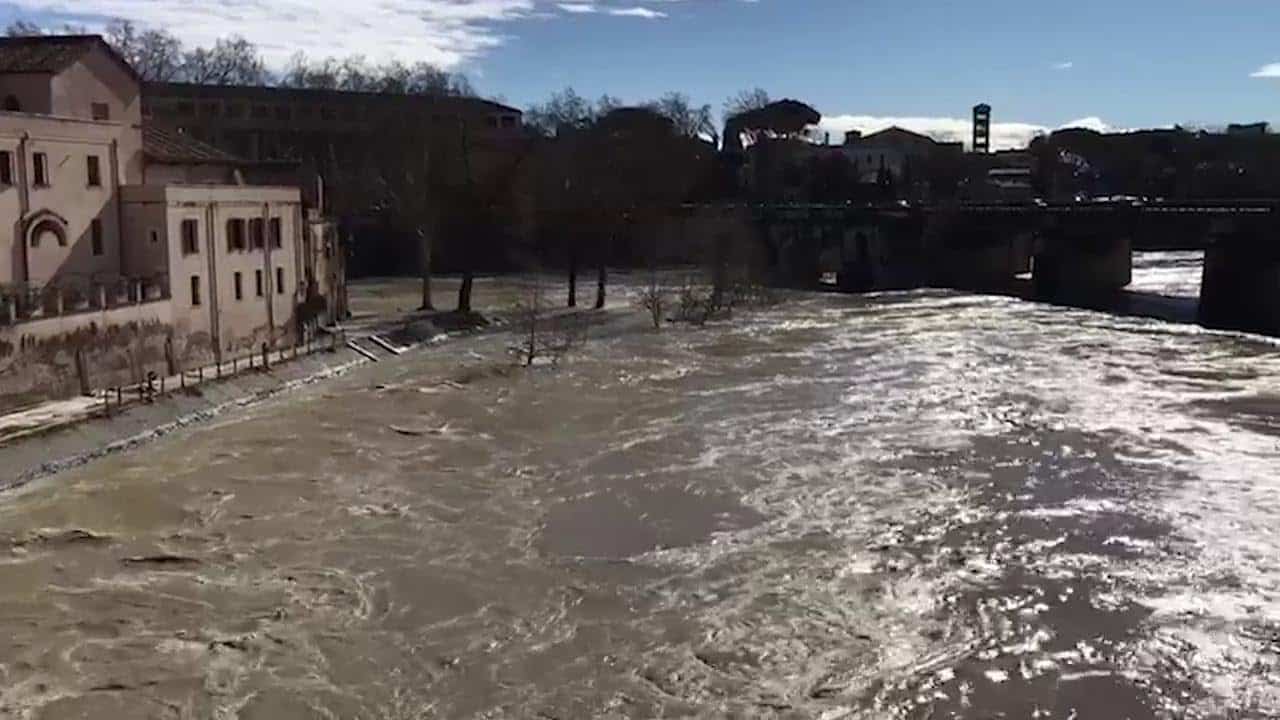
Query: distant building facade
[
  {"x": 329, "y": 131},
  {"x": 1249, "y": 129},
  {"x": 124, "y": 248},
  {"x": 915, "y": 165}
]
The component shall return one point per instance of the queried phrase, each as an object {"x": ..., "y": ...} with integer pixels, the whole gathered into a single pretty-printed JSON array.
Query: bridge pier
[
  {"x": 798, "y": 255},
  {"x": 1083, "y": 259},
  {"x": 886, "y": 252},
  {"x": 1241, "y": 282},
  {"x": 861, "y": 259}
]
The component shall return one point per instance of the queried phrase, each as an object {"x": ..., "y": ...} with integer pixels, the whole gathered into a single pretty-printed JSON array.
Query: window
[
  {"x": 235, "y": 110},
  {"x": 211, "y": 109},
  {"x": 282, "y": 112},
  {"x": 273, "y": 230},
  {"x": 155, "y": 236},
  {"x": 186, "y": 109},
  {"x": 279, "y": 281},
  {"x": 260, "y": 111},
  {"x": 328, "y": 113},
  {"x": 11, "y": 104},
  {"x": 100, "y": 111},
  {"x": 195, "y": 291},
  {"x": 95, "y": 171},
  {"x": 239, "y": 287},
  {"x": 508, "y": 121},
  {"x": 40, "y": 169},
  {"x": 256, "y": 235},
  {"x": 190, "y": 239},
  {"x": 257, "y": 281},
  {"x": 235, "y": 234},
  {"x": 492, "y": 121},
  {"x": 95, "y": 236},
  {"x": 6, "y": 167}
]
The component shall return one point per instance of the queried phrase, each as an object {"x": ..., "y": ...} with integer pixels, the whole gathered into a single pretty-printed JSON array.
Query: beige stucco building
[{"x": 125, "y": 249}]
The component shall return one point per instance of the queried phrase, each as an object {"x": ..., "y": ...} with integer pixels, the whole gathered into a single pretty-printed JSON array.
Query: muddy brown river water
[{"x": 908, "y": 505}]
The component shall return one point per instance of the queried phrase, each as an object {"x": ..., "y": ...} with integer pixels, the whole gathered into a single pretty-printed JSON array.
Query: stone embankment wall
[{"x": 63, "y": 355}]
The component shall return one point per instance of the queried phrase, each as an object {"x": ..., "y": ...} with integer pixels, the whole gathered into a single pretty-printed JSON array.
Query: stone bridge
[{"x": 1072, "y": 252}]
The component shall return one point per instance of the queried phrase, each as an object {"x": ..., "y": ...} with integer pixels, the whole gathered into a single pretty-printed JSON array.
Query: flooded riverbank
[{"x": 901, "y": 505}]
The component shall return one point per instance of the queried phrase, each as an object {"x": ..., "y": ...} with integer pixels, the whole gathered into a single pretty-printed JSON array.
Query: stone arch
[
  {"x": 11, "y": 104},
  {"x": 45, "y": 227}
]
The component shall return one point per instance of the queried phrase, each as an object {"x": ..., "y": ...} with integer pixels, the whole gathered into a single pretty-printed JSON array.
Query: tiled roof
[
  {"x": 51, "y": 53},
  {"x": 163, "y": 146},
  {"x": 42, "y": 54}
]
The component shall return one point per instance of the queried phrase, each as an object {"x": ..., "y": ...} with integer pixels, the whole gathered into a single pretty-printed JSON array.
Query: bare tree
[
  {"x": 400, "y": 181},
  {"x": 480, "y": 207},
  {"x": 23, "y": 28},
  {"x": 155, "y": 55},
  {"x": 541, "y": 333},
  {"x": 690, "y": 120},
  {"x": 231, "y": 61},
  {"x": 567, "y": 110},
  {"x": 354, "y": 73},
  {"x": 301, "y": 72},
  {"x": 746, "y": 101}
]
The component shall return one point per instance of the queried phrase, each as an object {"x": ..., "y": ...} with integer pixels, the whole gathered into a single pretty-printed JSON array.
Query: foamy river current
[{"x": 905, "y": 505}]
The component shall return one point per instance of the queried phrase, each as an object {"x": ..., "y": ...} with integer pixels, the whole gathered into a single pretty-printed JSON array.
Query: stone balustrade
[{"x": 19, "y": 304}]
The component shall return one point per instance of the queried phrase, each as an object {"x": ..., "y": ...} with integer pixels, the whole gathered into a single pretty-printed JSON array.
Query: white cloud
[
  {"x": 445, "y": 32},
  {"x": 584, "y": 8},
  {"x": 1063, "y": 65},
  {"x": 1004, "y": 135},
  {"x": 1093, "y": 122},
  {"x": 1270, "y": 70},
  {"x": 640, "y": 12}
]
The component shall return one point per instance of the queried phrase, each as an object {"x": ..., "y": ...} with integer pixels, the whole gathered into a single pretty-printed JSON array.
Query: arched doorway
[
  {"x": 11, "y": 104},
  {"x": 47, "y": 232}
]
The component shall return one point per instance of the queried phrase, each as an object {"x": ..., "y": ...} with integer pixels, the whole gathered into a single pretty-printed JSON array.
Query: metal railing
[{"x": 157, "y": 386}]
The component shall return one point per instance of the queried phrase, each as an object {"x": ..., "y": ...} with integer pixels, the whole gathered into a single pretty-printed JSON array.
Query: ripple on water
[{"x": 904, "y": 505}]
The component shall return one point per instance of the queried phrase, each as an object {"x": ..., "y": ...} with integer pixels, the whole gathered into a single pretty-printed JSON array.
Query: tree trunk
[
  {"x": 573, "y": 278},
  {"x": 720, "y": 272},
  {"x": 424, "y": 239},
  {"x": 600, "y": 283},
  {"x": 464, "y": 292}
]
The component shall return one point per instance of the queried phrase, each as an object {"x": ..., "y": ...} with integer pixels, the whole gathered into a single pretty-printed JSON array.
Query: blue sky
[{"x": 862, "y": 63}]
